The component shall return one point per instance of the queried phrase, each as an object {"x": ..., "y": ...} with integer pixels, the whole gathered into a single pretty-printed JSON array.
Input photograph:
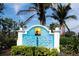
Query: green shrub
[
  {"x": 69, "y": 45},
  {"x": 33, "y": 51},
  {"x": 21, "y": 50},
  {"x": 41, "y": 51},
  {"x": 66, "y": 40},
  {"x": 54, "y": 52},
  {"x": 71, "y": 33}
]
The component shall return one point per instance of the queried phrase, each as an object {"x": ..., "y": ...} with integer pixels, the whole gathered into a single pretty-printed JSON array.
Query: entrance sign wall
[{"x": 39, "y": 35}]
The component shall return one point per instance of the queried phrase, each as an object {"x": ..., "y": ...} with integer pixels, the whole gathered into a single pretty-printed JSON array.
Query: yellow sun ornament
[{"x": 38, "y": 31}]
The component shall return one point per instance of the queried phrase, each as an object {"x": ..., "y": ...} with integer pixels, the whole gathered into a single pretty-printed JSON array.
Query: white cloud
[{"x": 16, "y": 7}]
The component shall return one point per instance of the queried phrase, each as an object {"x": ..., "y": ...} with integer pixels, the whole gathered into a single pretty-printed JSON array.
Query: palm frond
[
  {"x": 29, "y": 18},
  {"x": 35, "y": 4},
  {"x": 54, "y": 9},
  {"x": 49, "y": 16},
  {"x": 56, "y": 15},
  {"x": 2, "y": 8},
  {"x": 71, "y": 16},
  {"x": 47, "y": 5},
  {"x": 67, "y": 26},
  {"x": 59, "y": 6},
  {"x": 67, "y": 7},
  {"x": 33, "y": 8},
  {"x": 53, "y": 16},
  {"x": 24, "y": 11}
]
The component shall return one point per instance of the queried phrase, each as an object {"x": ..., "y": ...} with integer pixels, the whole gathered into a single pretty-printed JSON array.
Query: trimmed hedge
[{"x": 33, "y": 51}]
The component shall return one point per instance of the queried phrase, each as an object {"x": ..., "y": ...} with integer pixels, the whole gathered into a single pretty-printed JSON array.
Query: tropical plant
[
  {"x": 7, "y": 33},
  {"x": 21, "y": 24},
  {"x": 39, "y": 8},
  {"x": 53, "y": 26},
  {"x": 33, "y": 51},
  {"x": 7, "y": 25},
  {"x": 69, "y": 45},
  {"x": 71, "y": 33},
  {"x": 60, "y": 13},
  {"x": 1, "y": 7}
]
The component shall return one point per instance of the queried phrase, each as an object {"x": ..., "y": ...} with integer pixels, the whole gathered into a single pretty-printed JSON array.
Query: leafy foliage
[
  {"x": 60, "y": 13},
  {"x": 69, "y": 45},
  {"x": 8, "y": 33},
  {"x": 71, "y": 33},
  {"x": 1, "y": 7},
  {"x": 33, "y": 51},
  {"x": 53, "y": 26}
]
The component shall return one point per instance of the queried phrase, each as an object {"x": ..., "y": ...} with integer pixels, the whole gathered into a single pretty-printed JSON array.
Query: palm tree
[
  {"x": 1, "y": 7},
  {"x": 53, "y": 26},
  {"x": 8, "y": 34},
  {"x": 61, "y": 14},
  {"x": 7, "y": 25},
  {"x": 1, "y": 11},
  {"x": 39, "y": 8}
]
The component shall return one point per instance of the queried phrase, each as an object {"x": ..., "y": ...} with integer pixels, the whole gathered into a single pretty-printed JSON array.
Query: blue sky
[{"x": 11, "y": 10}]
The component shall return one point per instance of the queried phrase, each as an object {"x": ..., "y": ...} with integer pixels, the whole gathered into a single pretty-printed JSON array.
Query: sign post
[{"x": 37, "y": 33}]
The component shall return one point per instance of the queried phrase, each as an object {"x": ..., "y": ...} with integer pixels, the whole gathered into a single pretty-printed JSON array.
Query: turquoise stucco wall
[{"x": 45, "y": 40}]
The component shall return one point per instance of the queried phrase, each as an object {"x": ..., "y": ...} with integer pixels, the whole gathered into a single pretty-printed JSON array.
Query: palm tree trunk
[
  {"x": 62, "y": 29},
  {"x": 42, "y": 14}
]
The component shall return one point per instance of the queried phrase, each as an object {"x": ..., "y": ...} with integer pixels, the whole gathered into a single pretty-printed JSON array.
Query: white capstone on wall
[
  {"x": 57, "y": 38},
  {"x": 20, "y": 32}
]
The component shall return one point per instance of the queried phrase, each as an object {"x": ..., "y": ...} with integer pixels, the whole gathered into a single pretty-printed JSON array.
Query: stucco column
[
  {"x": 57, "y": 38},
  {"x": 19, "y": 40}
]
